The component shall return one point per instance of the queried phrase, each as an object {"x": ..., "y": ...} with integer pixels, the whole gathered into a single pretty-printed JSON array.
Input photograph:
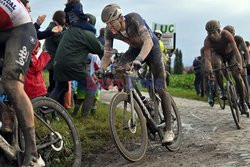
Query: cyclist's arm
[
  {"x": 207, "y": 56},
  {"x": 108, "y": 50},
  {"x": 147, "y": 42}
]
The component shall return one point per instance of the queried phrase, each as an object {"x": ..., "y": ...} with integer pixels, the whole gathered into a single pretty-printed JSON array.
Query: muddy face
[
  {"x": 115, "y": 26},
  {"x": 214, "y": 35}
]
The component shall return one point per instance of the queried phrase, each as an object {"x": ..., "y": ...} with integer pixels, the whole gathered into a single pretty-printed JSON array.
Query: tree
[{"x": 178, "y": 64}]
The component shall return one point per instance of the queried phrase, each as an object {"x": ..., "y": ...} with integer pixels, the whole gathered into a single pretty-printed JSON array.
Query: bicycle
[
  {"x": 232, "y": 95},
  {"x": 57, "y": 139},
  {"x": 215, "y": 94},
  {"x": 132, "y": 119}
]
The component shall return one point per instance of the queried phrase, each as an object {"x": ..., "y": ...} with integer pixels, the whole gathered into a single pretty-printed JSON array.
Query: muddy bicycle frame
[
  {"x": 131, "y": 88},
  {"x": 11, "y": 151}
]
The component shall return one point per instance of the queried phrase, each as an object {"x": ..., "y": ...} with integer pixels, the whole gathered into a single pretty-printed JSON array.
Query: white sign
[
  {"x": 168, "y": 34},
  {"x": 165, "y": 28}
]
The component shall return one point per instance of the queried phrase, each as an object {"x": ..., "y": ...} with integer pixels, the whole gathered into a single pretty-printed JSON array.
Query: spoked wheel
[
  {"x": 57, "y": 138},
  {"x": 130, "y": 136},
  {"x": 232, "y": 100}
]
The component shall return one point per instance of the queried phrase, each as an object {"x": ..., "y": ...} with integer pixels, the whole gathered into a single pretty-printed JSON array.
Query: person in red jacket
[{"x": 34, "y": 84}]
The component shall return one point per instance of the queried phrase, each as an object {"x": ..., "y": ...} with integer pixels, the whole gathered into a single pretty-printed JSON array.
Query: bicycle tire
[
  {"x": 232, "y": 100},
  {"x": 222, "y": 103},
  {"x": 175, "y": 146},
  {"x": 134, "y": 155},
  {"x": 175, "y": 115},
  {"x": 64, "y": 116},
  {"x": 211, "y": 103},
  {"x": 178, "y": 138}
]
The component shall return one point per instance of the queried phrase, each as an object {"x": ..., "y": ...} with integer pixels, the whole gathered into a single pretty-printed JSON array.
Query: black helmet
[
  {"x": 230, "y": 29},
  {"x": 111, "y": 12},
  {"x": 212, "y": 25}
]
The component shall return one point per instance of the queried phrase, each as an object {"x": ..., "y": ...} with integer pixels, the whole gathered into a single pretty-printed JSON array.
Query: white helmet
[{"x": 111, "y": 12}]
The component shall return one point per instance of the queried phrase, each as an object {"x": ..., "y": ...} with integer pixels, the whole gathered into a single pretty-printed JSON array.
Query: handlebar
[{"x": 226, "y": 67}]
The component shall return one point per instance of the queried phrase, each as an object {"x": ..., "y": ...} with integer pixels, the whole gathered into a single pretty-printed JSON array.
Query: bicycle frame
[
  {"x": 9, "y": 150},
  {"x": 134, "y": 93},
  {"x": 48, "y": 144}
]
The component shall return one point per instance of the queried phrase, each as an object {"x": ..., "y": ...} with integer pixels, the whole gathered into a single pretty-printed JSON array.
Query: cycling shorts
[{"x": 16, "y": 46}]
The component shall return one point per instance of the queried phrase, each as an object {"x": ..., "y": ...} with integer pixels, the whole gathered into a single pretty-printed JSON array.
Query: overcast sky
[{"x": 190, "y": 17}]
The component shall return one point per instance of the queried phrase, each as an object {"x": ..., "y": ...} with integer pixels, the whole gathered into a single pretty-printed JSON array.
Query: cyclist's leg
[
  {"x": 18, "y": 51},
  {"x": 154, "y": 60},
  {"x": 216, "y": 64}
]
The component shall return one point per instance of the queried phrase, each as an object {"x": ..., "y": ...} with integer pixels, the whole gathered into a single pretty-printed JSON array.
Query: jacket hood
[{"x": 91, "y": 18}]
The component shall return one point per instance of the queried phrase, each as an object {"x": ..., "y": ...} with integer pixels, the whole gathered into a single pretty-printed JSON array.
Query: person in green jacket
[{"x": 70, "y": 61}]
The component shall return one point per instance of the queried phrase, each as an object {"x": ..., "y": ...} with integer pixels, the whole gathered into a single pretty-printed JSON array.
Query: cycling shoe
[{"x": 35, "y": 162}]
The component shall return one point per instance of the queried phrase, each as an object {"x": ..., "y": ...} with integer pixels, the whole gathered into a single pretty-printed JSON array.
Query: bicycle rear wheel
[
  {"x": 175, "y": 121},
  {"x": 232, "y": 100},
  {"x": 57, "y": 138},
  {"x": 130, "y": 139}
]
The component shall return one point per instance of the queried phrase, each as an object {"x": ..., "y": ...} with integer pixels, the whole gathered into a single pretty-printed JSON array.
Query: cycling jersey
[
  {"x": 134, "y": 26},
  {"x": 12, "y": 14}
]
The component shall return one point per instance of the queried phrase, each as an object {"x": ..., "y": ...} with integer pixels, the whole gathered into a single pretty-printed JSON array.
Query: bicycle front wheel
[
  {"x": 222, "y": 102},
  {"x": 232, "y": 100},
  {"x": 130, "y": 136},
  {"x": 57, "y": 138}
]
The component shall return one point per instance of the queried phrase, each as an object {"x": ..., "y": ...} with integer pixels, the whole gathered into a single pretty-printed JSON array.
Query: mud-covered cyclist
[
  {"x": 143, "y": 47},
  {"x": 220, "y": 46},
  {"x": 17, "y": 40}
]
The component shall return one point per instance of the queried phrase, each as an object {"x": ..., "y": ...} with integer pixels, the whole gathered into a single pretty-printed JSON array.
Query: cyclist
[
  {"x": 241, "y": 45},
  {"x": 16, "y": 48},
  {"x": 143, "y": 46},
  {"x": 220, "y": 46}
]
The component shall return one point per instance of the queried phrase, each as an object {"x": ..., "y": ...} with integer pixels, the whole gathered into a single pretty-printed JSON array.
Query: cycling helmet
[
  {"x": 111, "y": 12},
  {"x": 158, "y": 32},
  {"x": 230, "y": 29},
  {"x": 212, "y": 25}
]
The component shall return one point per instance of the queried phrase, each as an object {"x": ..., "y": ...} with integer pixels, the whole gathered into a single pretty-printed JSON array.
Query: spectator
[
  {"x": 101, "y": 36},
  {"x": 51, "y": 44},
  {"x": 34, "y": 84},
  {"x": 71, "y": 57},
  {"x": 38, "y": 23},
  {"x": 75, "y": 16},
  {"x": 93, "y": 64},
  {"x": 197, "y": 72}
]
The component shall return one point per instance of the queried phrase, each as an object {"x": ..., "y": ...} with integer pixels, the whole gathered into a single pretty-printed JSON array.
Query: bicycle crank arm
[{"x": 9, "y": 150}]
